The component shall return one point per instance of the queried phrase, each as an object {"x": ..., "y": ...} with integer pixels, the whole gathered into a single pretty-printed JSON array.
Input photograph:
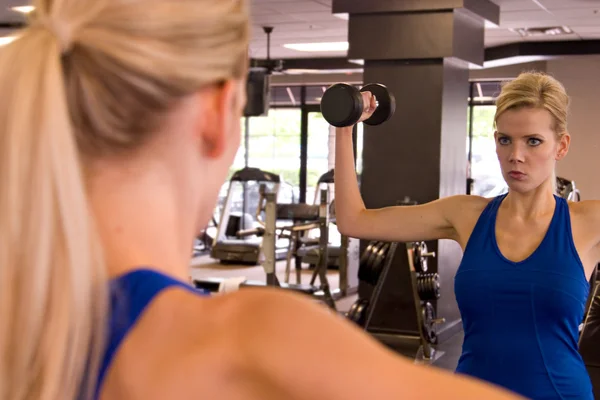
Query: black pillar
[{"x": 421, "y": 51}]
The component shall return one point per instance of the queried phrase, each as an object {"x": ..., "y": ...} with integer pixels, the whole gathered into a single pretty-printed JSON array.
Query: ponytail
[
  {"x": 122, "y": 74},
  {"x": 53, "y": 294}
]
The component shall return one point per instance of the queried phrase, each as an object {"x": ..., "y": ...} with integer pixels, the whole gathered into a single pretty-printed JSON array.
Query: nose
[{"x": 517, "y": 154}]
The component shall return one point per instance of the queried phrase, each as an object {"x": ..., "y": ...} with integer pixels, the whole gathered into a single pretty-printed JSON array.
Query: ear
[
  {"x": 215, "y": 120},
  {"x": 563, "y": 146}
]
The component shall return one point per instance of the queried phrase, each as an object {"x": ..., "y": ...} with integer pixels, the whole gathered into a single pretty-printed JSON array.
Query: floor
[{"x": 204, "y": 267}]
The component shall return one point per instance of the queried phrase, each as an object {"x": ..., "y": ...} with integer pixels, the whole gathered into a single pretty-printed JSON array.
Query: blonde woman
[
  {"x": 522, "y": 284},
  {"x": 119, "y": 120}
]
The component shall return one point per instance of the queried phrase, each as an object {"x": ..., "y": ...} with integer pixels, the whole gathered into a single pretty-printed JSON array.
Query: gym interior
[{"x": 274, "y": 223}]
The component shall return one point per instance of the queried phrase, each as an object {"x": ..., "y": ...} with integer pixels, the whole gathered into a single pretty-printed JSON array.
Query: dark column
[
  {"x": 421, "y": 51},
  {"x": 303, "y": 144}
]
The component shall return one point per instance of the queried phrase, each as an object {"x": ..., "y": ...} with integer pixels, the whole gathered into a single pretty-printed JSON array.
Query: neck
[
  {"x": 530, "y": 205},
  {"x": 140, "y": 221}
]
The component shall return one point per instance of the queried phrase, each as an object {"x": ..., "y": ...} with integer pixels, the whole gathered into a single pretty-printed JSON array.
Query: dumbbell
[{"x": 342, "y": 104}]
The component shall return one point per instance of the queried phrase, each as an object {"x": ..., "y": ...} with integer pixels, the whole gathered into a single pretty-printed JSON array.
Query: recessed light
[
  {"x": 549, "y": 30},
  {"x": 4, "y": 40},
  {"x": 23, "y": 9},
  {"x": 331, "y": 46},
  {"x": 344, "y": 16}
]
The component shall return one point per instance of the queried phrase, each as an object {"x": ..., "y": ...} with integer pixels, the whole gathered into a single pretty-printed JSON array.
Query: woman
[
  {"x": 119, "y": 121},
  {"x": 522, "y": 284}
]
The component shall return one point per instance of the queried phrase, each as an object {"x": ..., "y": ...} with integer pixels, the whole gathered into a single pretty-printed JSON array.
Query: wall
[
  {"x": 579, "y": 75},
  {"x": 505, "y": 72}
]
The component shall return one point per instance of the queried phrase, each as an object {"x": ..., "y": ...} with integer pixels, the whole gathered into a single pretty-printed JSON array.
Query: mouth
[{"x": 516, "y": 175}]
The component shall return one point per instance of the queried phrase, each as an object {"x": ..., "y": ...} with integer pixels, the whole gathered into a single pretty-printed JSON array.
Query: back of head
[
  {"x": 535, "y": 90},
  {"x": 85, "y": 79}
]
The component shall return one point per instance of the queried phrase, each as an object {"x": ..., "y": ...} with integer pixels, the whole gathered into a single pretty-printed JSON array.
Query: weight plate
[
  {"x": 341, "y": 105},
  {"x": 364, "y": 269},
  {"x": 358, "y": 312},
  {"x": 365, "y": 255},
  {"x": 428, "y": 286},
  {"x": 379, "y": 261},
  {"x": 373, "y": 261},
  {"x": 386, "y": 103}
]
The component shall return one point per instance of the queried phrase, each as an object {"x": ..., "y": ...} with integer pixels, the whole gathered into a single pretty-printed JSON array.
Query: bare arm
[{"x": 428, "y": 221}]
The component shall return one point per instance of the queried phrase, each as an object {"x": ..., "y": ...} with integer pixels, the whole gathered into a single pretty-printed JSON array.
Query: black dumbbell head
[
  {"x": 342, "y": 105},
  {"x": 386, "y": 104}
]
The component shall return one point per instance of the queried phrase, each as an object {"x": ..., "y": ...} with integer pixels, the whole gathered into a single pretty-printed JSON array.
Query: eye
[
  {"x": 503, "y": 140},
  {"x": 534, "y": 142}
]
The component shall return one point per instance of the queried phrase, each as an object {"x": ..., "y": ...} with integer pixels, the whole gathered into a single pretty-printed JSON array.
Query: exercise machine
[
  {"x": 229, "y": 246},
  {"x": 342, "y": 253},
  {"x": 567, "y": 189},
  {"x": 318, "y": 215},
  {"x": 203, "y": 242}
]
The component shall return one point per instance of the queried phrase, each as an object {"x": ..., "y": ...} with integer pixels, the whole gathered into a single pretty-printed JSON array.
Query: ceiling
[{"x": 310, "y": 21}]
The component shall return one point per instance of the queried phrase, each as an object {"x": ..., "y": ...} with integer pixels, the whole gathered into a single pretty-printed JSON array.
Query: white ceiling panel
[
  {"x": 517, "y": 5},
  {"x": 501, "y": 33},
  {"x": 307, "y": 21},
  {"x": 586, "y": 29},
  {"x": 558, "y": 4}
]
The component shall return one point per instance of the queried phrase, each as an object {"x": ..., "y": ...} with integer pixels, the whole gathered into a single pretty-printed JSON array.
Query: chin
[{"x": 521, "y": 187}]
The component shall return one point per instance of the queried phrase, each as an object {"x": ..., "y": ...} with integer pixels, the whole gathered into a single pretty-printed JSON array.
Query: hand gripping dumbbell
[{"x": 342, "y": 104}]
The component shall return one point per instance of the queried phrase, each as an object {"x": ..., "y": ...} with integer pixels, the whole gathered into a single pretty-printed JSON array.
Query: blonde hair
[
  {"x": 536, "y": 90},
  {"x": 84, "y": 80}
]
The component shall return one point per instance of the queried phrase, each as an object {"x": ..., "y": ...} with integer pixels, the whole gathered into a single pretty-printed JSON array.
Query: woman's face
[{"x": 527, "y": 147}]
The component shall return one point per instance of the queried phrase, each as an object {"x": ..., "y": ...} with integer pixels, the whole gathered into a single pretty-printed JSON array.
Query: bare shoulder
[
  {"x": 187, "y": 344},
  {"x": 585, "y": 221},
  {"x": 463, "y": 211},
  {"x": 181, "y": 344},
  {"x": 586, "y": 209},
  {"x": 585, "y": 217},
  {"x": 463, "y": 203}
]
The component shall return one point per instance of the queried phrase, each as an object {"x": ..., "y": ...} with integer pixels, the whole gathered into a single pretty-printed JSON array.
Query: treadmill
[{"x": 229, "y": 246}]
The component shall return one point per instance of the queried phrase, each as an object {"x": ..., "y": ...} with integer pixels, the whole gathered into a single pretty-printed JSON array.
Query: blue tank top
[
  {"x": 130, "y": 294},
  {"x": 521, "y": 319}
]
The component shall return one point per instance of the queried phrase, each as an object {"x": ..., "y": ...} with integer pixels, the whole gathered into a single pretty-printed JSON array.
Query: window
[
  {"x": 485, "y": 168},
  {"x": 240, "y": 157},
  {"x": 274, "y": 146},
  {"x": 359, "y": 148},
  {"x": 321, "y": 152}
]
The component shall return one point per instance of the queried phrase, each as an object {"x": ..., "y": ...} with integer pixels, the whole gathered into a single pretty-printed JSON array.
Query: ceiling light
[
  {"x": 4, "y": 40},
  {"x": 359, "y": 62},
  {"x": 23, "y": 9},
  {"x": 551, "y": 31},
  {"x": 344, "y": 16},
  {"x": 333, "y": 46}
]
